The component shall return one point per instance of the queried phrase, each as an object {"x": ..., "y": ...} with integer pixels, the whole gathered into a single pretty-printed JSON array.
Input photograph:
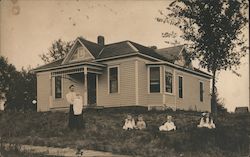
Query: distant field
[{"x": 104, "y": 132}]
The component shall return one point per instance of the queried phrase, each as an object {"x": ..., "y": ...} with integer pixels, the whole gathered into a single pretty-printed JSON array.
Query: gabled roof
[
  {"x": 171, "y": 53},
  {"x": 148, "y": 51},
  {"x": 127, "y": 47},
  {"x": 50, "y": 65},
  {"x": 93, "y": 48},
  {"x": 116, "y": 49},
  {"x": 119, "y": 49}
]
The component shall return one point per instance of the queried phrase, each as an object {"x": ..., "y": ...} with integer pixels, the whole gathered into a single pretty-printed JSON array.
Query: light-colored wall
[
  {"x": 191, "y": 93},
  {"x": 126, "y": 95},
  {"x": 191, "y": 90},
  {"x": 43, "y": 91},
  {"x": 146, "y": 98}
]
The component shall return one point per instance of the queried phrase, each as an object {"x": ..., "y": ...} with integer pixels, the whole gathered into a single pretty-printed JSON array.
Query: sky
[{"x": 29, "y": 27}]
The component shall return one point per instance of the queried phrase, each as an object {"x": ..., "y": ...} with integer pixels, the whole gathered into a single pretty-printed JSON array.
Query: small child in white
[
  {"x": 140, "y": 124},
  {"x": 169, "y": 125},
  {"x": 206, "y": 121},
  {"x": 129, "y": 123}
]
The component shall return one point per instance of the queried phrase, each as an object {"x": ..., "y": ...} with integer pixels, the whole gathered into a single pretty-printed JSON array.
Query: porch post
[{"x": 85, "y": 87}]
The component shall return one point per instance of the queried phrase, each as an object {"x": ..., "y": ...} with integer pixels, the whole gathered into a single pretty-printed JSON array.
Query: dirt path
[{"x": 65, "y": 152}]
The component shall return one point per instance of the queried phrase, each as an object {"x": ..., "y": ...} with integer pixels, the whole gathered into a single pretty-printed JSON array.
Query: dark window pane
[
  {"x": 180, "y": 87},
  {"x": 169, "y": 82},
  {"x": 201, "y": 91},
  {"x": 113, "y": 80},
  {"x": 58, "y": 87},
  {"x": 154, "y": 79}
]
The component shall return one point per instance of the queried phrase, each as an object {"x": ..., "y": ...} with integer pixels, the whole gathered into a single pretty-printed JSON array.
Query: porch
[{"x": 84, "y": 77}]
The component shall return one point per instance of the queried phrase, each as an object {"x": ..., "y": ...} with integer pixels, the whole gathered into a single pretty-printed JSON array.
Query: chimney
[
  {"x": 153, "y": 47},
  {"x": 100, "y": 40}
]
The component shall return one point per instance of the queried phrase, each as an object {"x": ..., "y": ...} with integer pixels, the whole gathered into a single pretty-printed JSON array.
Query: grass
[{"x": 104, "y": 132}]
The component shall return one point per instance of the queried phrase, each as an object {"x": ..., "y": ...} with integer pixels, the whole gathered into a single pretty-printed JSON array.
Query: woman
[{"x": 70, "y": 98}]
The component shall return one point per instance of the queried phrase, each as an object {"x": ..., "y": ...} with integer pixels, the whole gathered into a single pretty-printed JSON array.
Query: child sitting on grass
[
  {"x": 206, "y": 121},
  {"x": 140, "y": 124},
  {"x": 168, "y": 126},
  {"x": 129, "y": 123}
]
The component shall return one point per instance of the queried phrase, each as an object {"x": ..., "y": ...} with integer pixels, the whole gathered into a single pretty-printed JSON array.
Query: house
[
  {"x": 241, "y": 109},
  {"x": 124, "y": 74}
]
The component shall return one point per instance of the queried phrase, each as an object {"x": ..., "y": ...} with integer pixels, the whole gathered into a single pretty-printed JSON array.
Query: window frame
[
  {"x": 160, "y": 82},
  {"x": 55, "y": 95},
  {"x": 179, "y": 76},
  {"x": 118, "y": 79},
  {"x": 172, "y": 85},
  {"x": 201, "y": 93}
]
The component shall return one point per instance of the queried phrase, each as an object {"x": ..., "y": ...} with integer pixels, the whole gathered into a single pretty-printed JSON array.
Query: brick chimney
[{"x": 100, "y": 40}]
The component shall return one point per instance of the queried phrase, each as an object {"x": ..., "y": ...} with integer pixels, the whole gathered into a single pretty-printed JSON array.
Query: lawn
[{"x": 104, "y": 132}]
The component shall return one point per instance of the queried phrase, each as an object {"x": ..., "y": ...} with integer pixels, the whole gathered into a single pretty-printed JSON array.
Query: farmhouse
[{"x": 123, "y": 74}]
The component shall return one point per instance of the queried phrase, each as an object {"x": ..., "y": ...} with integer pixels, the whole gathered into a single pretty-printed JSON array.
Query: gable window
[
  {"x": 180, "y": 80},
  {"x": 113, "y": 80},
  {"x": 201, "y": 91},
  {"x": 169, "y": 82},
  {"x": 58, "y": 87},
  {"x": 154, "y": 79},
  {"x": 80, "y": 53}
]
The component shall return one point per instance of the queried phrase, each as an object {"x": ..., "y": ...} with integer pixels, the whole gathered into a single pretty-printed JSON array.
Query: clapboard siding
[
  {"x": 191, "y": 93},
  {"x": 146, "y": 98},
  {"x": 43, "y": 91},
  {"x": 126, "y": 95}
]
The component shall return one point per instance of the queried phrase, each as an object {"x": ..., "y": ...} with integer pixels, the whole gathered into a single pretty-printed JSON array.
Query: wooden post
[{"x": 85, "y": 86}]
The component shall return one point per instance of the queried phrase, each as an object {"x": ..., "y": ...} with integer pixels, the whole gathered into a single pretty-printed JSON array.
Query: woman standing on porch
[{"x": 71, "y": 96}]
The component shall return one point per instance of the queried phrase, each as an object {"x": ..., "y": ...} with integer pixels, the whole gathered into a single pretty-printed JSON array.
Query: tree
[
  {"x": 18, "y": 86},
  {"x": 58, "y": 50},
  {"x": 6, "y": 73},
  {"x": 213, "y": 29}
]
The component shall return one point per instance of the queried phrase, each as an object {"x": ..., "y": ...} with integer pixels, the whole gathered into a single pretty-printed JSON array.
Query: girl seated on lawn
[
  {"x": 129, "y": 123},
  {"x": 140, "y": 124},
  {"x": 206, "y": 121},
  {"x": 168, "y": 126}
]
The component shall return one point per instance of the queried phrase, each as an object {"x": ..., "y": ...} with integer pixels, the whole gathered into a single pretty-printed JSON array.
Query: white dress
[
  {"x": 140, "y": 125},
  {"x": 206, "y": 124},
  {"x": 77, "y": 105},
  {"x": 71, "y": 97},
  {"x": 129, "y": 124},
  {"x": 168, "y": 126},
  {"x": 2, "y": 102}
]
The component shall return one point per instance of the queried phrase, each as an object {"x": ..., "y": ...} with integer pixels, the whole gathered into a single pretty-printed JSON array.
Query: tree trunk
[{"x": 213, "y": 101}]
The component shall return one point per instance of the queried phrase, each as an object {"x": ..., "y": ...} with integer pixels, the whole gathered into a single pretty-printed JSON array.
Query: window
[
  {"x": 113, "y": 80},
  {"x": 169, "y": 82},
  {"x": 201, "y": 91},
  {"x": 58, "y": 87},
  {"x": 154, "y": 79},
  {"x": 180, "y": 87}
]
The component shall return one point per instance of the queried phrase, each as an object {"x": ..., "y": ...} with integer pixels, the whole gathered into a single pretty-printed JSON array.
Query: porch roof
[{"x": 56, "y": 66}]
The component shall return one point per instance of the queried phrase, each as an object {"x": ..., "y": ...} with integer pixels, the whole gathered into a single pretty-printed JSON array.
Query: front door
[{"x": 92, "y": 89}]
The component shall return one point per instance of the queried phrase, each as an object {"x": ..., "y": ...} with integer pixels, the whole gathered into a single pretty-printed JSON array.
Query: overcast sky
[{"x": 28, "y": 28}]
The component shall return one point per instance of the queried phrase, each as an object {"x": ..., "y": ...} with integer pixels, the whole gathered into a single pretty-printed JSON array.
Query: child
[
  {"x": 168, "y": 126},
  {"x": 206, "y": 121},
  {"x": 140, "y": 124},
  {"x": 129, "y": 123}
]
